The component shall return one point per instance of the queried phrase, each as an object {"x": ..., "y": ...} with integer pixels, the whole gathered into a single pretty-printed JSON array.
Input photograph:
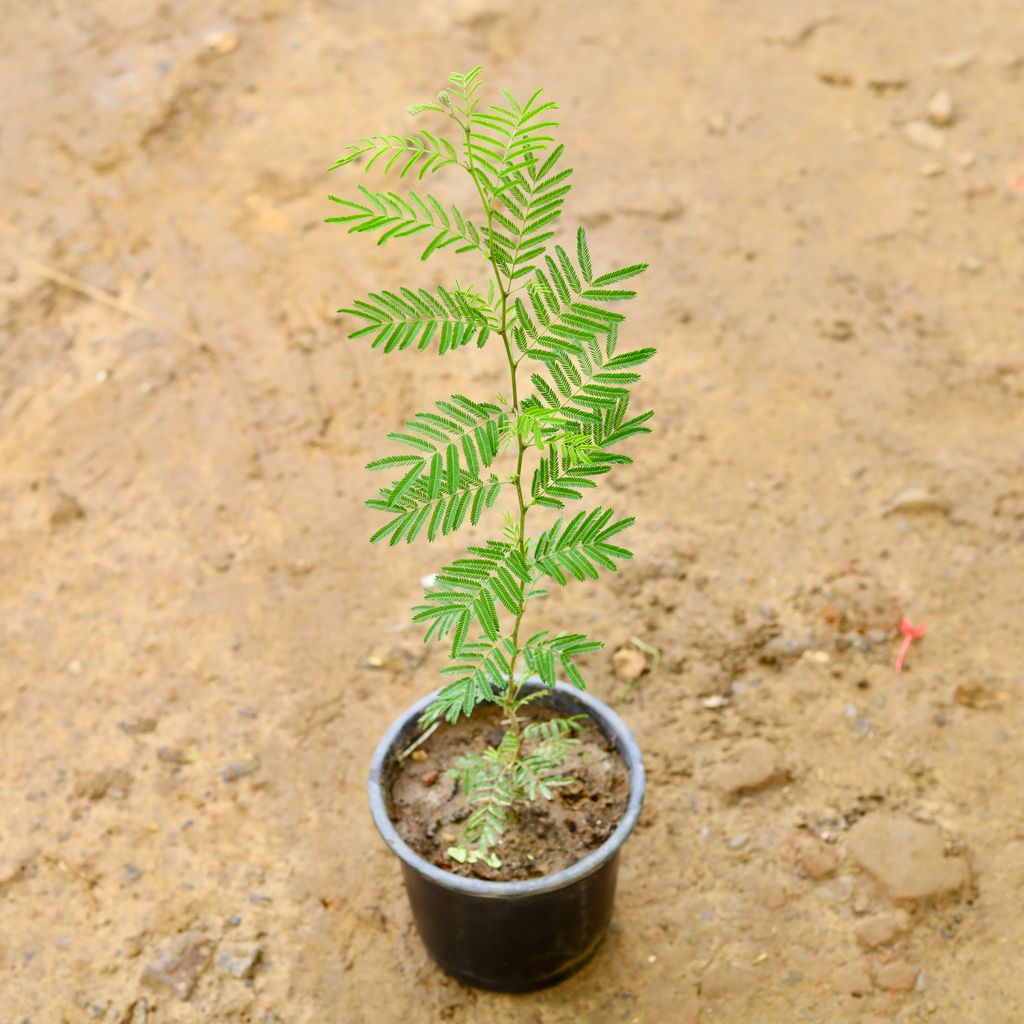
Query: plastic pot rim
[{"x": 628, "y": 750}]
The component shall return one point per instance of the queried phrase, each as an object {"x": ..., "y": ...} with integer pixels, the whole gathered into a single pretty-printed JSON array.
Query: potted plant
[{"x": 509, "y": 847}]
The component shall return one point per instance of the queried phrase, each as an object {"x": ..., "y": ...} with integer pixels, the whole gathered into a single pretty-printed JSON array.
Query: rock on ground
[
  {"x": 178, "y": 963},
  {"x": 815, "y": 859},
  {"x": 239, "y": 959},
  {"x": 897, "y": 976},
  {"x": 752, "y": 765},
  {"x": 880, "y": 929},
  {"x": 852, "y": 979},
  {"x": 906, "y": 857}
]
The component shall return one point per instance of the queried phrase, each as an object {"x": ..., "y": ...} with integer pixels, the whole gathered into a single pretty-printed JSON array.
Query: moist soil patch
[{"x": 427, "y": 805}]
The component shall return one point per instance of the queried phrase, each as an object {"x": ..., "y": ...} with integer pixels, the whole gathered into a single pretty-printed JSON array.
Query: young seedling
[{"x": 559, "y": 429}]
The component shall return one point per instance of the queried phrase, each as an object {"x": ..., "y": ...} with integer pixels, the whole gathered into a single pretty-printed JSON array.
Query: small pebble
[
  {"x": 255, "y": 897},
  {"x": 239, "y": 959},
  {"x": 897, "y": 976},
  {"x": 137, "y": 726},
  {"x": 878, "y": 930},
  {"x": 429, "y": 778},
  {"x": 235, "y": 771},
  {"x": 175, "y": 755},
  {"x": 738, "y": 842},
  {"x": 629, "y": 663},
  {"x": 924, "y": 135},
  {"x": 131, "y": 873},
  {"x": 852, "y": 979},
  {"x": 913, "y": 500},
  {"x": 419, "y": 755},
  {"x": 940, "y": 110},
  {"x": 221, "y": 42},
  {"x": 715, "y": 702}
]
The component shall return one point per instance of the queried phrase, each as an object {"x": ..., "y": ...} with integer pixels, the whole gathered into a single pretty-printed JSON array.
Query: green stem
[{"x": 510, "y": 702}]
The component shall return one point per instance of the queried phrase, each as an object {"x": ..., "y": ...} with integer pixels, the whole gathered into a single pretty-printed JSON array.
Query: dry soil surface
[{"x": 198, "y": 649}]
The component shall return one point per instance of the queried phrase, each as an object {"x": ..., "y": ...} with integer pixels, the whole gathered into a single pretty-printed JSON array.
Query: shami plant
[{"x": 558, "y": 429}]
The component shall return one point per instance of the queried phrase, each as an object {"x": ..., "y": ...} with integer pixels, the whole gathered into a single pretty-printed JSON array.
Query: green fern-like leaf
[
  {"x": 582, "y": 546},
  {"x": 482, "y": 670},
  {"x": 473, "y": 429},
  {"x": 422, "y": 151},
  {"x": 399, "y": 319},
  {"x": 562, "y": 318},
  {"x": 545, "y": 656},
  {"x": 472, "y": 589},
  {"x": 464, "y": 88},
  {"x": 439, "y": 497},
  {"x": 397, "y": 217},
  {"x": 532, "y": 199}
]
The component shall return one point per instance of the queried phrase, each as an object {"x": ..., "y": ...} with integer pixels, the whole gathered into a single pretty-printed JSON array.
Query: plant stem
[{"x": 510, "y": 701}]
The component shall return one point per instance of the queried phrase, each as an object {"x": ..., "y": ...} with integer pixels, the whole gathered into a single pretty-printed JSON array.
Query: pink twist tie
[{"x": 910, "y": 633}]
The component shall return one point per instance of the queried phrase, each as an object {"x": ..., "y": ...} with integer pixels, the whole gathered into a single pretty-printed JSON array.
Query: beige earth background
[{"x": 199, "y": 649}]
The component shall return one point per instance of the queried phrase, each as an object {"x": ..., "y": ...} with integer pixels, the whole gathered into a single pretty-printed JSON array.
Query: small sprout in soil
[{"x": 555, "y": 321}]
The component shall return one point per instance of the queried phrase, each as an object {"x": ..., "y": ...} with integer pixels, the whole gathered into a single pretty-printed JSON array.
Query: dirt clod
[
  {"x": 879, "y": 930},
  {"x": 629, "y": 663},
  {"x": 897, "y": 976},
  {"x": 177, "y": 964},
  {"x": 853, "y": 979},
  {"x": 906, "y": 857},
  {"x": 751, "y": 765}
]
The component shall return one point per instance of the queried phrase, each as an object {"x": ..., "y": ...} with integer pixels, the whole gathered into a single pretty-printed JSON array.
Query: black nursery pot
[{"x": 512, "y": 936}]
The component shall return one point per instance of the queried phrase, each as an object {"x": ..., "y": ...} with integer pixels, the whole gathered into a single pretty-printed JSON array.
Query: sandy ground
[{"x": 189, "y": 602}]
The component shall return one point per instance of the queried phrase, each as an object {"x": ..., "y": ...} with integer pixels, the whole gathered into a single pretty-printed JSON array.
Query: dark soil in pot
[{"x": 427, "y": 807}]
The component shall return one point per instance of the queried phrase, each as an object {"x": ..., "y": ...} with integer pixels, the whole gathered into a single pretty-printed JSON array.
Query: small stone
[
  {"x": 131, "y": 873},
  {"x": 924, "y": 135},
  {"x": 907, "y": 858},
  {"x": 897, "y": 976},
  {"x": 66, "y": 509},
  {"x": 238, "y": 770},
  {"x": 239, "y": 959},
  {"x": 839, "y": 330},
  {"x": 115, "y": 782},
  {"x": 940, "y": 110},
  {"x": 913, "y": 500},
  {"x": 972, "y": 265},
  {"x": 715, "y": 702},
  {"x": 176, "y": 755},
  {"x": 783, "y": 649},
  {"x": 752, "y": 765},
  {"x": 178, "y": 963},
  {"x": 852, "y": 979},
  {"x": 419, "y": 755},
  {"x": 221, "y": 42},
  {"x": 137, "y": 726},
  {"x": 877, "y": 931},
  {"x": 629, "y": 663},
  {"x": 816, "y": 859},
  {"x": 738, "y": 842},
  {"x": 932, "y": 170},
  {"x": 429, "y": 778}
]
